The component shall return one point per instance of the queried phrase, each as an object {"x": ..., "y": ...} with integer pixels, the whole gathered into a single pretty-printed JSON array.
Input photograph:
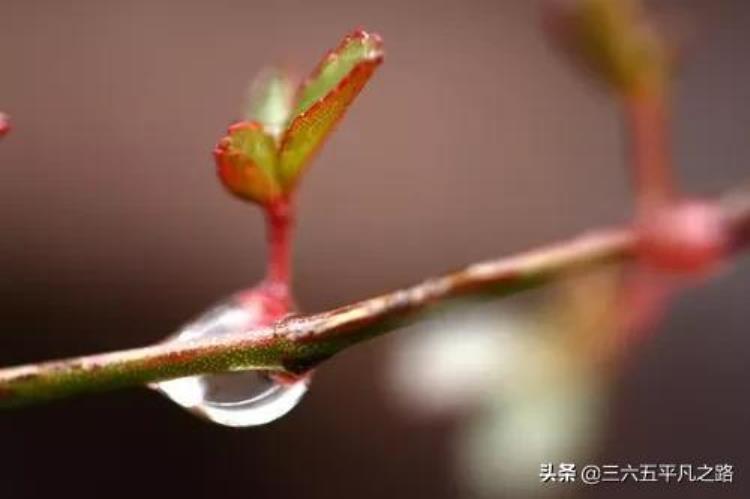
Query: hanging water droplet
[{"x": 245, "y": 398}]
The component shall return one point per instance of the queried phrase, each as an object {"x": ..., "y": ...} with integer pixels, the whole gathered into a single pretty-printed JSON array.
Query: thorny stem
[
  {"x": 297, "y": 343},
  {"x": 646, "y": 117}
]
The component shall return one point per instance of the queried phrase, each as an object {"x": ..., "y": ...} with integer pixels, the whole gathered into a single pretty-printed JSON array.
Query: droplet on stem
[{"x": 244, "y": 398}]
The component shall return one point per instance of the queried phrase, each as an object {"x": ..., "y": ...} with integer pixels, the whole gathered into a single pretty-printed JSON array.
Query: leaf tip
[{"x": 372, "y": 41}]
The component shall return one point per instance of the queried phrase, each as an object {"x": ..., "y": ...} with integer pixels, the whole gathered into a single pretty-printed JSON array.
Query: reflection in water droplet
[{"x": 246, "y": 398}]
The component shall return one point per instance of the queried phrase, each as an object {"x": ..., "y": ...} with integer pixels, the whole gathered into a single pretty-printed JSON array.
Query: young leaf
[
  {"x": 271, "y": 100},
  {"x": 246, "y": 161},
  {"x": 324, "y": 99},
  {"x": 613, "y": 40}
]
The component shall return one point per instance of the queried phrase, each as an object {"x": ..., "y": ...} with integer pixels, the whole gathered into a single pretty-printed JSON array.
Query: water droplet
[{"x": 245, "y": 398}]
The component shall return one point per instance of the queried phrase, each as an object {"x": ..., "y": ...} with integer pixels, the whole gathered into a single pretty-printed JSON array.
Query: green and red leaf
[
  {"x": 324, "y": 99},
  {"x": 271, "y": 100},
  {"x": 246, "y": 161}
]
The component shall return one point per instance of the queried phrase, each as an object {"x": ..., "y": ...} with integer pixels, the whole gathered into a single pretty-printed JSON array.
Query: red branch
[{"x": 647, "y": 118}]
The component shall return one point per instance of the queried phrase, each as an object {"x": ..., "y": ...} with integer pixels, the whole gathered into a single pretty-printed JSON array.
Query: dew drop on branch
[{"x": 239, "y": 399}]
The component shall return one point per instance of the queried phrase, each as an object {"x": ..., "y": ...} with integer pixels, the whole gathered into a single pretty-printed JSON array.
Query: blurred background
[{"x": 475, "y": 139}]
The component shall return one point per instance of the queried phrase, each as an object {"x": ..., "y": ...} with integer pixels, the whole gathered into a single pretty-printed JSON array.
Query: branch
[{"x": 299, "y": 342}]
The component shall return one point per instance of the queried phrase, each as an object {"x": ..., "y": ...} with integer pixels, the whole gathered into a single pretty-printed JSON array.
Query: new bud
[
  {"x": 612, "y": 40},
  {"x": 689, "y": 237}
]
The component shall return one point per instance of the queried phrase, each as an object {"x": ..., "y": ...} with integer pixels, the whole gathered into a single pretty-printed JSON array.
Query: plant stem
[
  {"x": 297, "y": 343},
  {"x": 647, "y": 117},
  {"x": 279, "y": 225}
]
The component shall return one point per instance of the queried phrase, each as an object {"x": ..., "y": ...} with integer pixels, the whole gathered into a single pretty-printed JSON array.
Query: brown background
[{"x": 475, "y": 139}]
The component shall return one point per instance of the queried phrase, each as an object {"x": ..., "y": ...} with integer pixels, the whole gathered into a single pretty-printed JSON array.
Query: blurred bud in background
[{"x": 527, "y": 383}]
